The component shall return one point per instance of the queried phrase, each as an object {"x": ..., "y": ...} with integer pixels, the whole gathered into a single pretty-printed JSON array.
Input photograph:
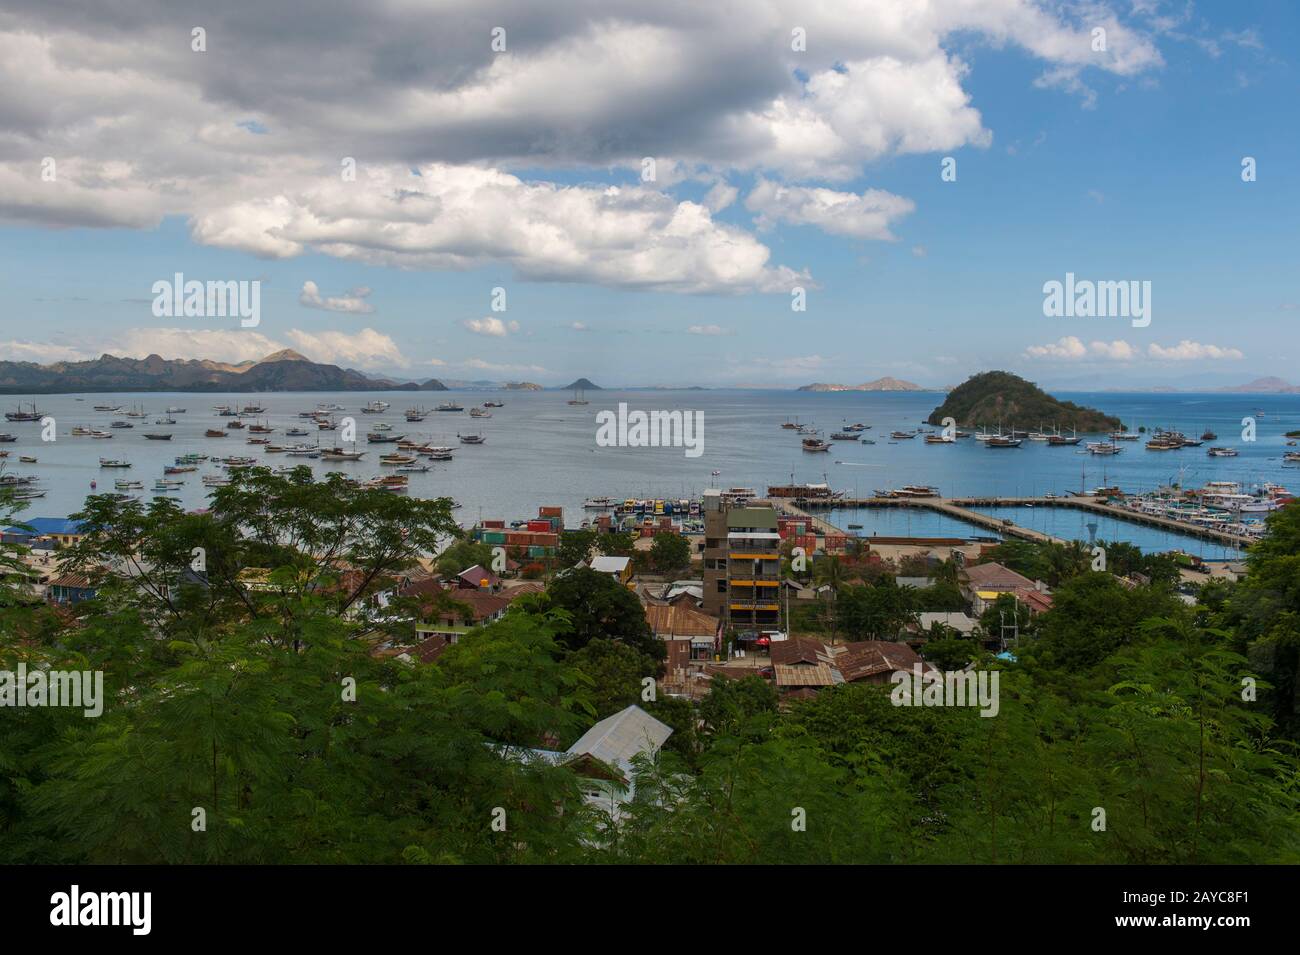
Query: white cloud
[
  {"x": 460, "y": 217},
  {"x": 1118, "y": 350},
  {"x": 1071, "y": 348},
  {"x": 353, "y": 302},
  {"x": 490, "y": 326},
  {"x": 1067, "y": 348},
  {"x": 867, "y": 216},
  {"x": 587, "y": 85},
  {"x": 707, "y": 330},
  {"x": 720, "y": 196},
  {"x": 43, "y": 353},
  {"x": 1193, "y": 351},
  {"x": 578, "y": 326},
  {"x": 478, "y": 364},
  {"x": 366, "y": 349},
  {"x": 216, "y": 344}
]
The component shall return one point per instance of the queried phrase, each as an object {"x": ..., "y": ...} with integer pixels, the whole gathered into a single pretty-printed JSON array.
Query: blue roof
[{"x": 47, "y": 525}]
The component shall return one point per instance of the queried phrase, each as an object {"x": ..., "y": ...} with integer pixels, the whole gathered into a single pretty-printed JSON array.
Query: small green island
[{"x": 994, "y": 397}]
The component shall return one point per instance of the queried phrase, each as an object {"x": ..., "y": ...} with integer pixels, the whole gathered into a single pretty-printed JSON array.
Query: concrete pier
[{"x": 960, "y": 509}]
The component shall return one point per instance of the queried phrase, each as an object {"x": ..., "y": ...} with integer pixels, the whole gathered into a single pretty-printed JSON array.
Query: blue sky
[{"x": 1131, "y": 172}]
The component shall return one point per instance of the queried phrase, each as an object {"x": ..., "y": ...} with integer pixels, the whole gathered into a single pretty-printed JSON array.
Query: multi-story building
[{"x": 742, "y": 564}]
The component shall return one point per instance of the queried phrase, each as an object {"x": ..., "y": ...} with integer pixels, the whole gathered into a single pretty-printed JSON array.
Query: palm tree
[{"x": 829, "y": 572}]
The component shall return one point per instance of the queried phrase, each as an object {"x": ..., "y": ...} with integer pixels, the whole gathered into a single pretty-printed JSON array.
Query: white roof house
[
  {"x": 613, "y": 743},
  {"x": 616, "y": 739},
  {"x": 610, "y": 565},
  {"x": 954, "y": 619}
]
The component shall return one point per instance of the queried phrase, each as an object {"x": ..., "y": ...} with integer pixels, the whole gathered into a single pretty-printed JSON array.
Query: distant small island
[
  {"x": 521, "y": 386},
  {"x": 880, "y": 384},
  {"x": 999, "y": 397},
  {"x": 582, "y": 383}
]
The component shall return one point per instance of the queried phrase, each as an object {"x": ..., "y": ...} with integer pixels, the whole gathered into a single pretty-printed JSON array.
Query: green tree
[
  {"x": 670, "y": 552},
  {"x": 599, "y": 607}
]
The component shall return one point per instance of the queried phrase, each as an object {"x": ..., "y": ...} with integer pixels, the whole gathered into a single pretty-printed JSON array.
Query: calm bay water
[{"x": 540, "y": 450}]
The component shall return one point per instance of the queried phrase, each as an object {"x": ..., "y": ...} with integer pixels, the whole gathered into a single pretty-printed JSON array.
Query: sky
[{"x": 651, "y": 184}]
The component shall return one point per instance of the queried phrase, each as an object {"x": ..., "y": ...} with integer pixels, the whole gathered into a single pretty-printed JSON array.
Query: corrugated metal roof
[
  {"x": 618, "y": 738},
  {"x": 819, "y": 675}
]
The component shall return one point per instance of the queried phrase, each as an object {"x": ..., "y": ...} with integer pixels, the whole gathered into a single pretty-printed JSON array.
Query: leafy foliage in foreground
[{"x": 232, "y": 700}]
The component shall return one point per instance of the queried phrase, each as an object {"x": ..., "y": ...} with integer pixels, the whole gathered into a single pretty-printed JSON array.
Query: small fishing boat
[
  {"x": 378, "y": 437},
  {"x": 297, "y": 432},
  {"x": 815, "y": 444},
  {"x": 479, "y": 413},
  {"x": 26, "y": 459},
  {"x": 414, "y": 469},
  {"x": 174, "y": 410},
  {"x": 375, "y": 407},
  {"x": 598, "y": 503},
  {"x": 339, "y": 454},
  {"x": 902, "y": 435},
  {"x": 213, "y": 433},
  {"x": 1222, "y": 452},
  {"x": 121, "y": 424},
  {"x": 494, "y": 404},
  {"x": 418, "y": 413},
  {"x": 1003, "y": 441},
  {"x": 471, "y": 438},
  {"x": 164, "y": 421},
  {"x": 113, "y": 463},
  {"x": 450, "y": 406},
  {"x": 158, "y": 435}
]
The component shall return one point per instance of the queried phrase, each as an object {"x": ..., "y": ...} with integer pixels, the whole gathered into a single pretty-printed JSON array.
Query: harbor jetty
[{"x": 960, "y": 508}]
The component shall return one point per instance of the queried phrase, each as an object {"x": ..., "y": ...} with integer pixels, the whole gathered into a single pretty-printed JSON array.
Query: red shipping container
[
  {"x": 543, "y": 526},
  {"x": 550, "y": 512}
]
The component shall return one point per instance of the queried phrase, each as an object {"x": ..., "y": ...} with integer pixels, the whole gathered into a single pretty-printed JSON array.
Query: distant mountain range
[
  {"x": 1265, "y": 386},
  {"x": 282, "y": 371},
  {"x": 880, "y": 384}
]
